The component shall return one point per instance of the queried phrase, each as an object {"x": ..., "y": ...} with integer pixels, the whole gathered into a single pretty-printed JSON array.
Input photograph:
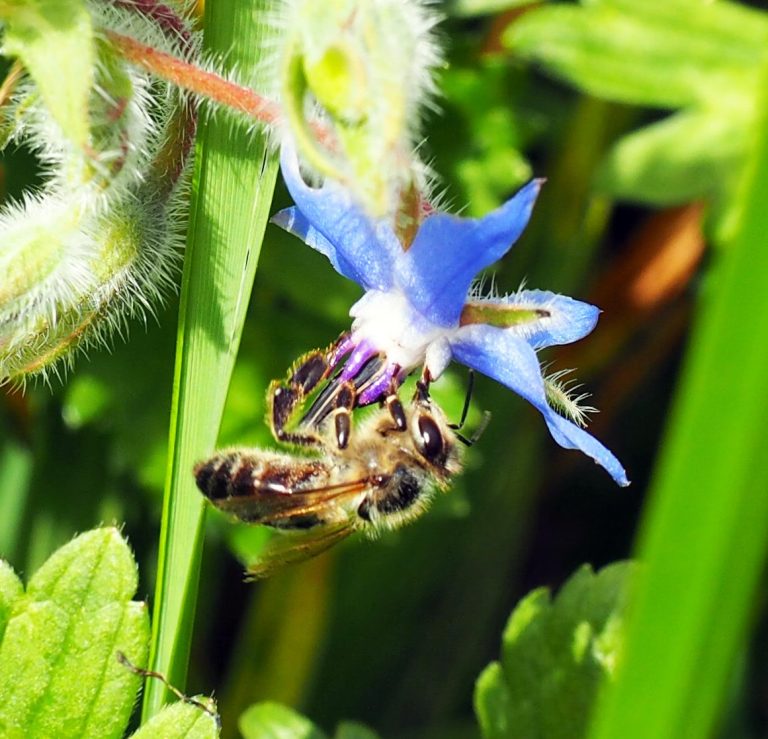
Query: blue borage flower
[{"x": 417, "y": 310}]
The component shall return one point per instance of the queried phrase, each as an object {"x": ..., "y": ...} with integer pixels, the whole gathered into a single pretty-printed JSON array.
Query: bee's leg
[
  {"x": 326, "y": 401},
  {"x": 342, "y": 413},
  {"x": 467, "y": 400},
  {"x": 395, "y": 407},
  {"x": 376, "y": 387},
  {"x": 422, "y": 386},
  {"x": 340, "y": 349},
  {"x": 284, "y": 397}
]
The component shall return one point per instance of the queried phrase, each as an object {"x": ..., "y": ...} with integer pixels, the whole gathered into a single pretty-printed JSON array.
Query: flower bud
[
  {"x": 99, "y": 244},
  {"x": 367, "y": 66}
]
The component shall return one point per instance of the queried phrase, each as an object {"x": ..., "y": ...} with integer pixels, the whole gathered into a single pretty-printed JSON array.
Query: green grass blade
[
  {"x": 704, "y": 541},
  {"x": 234, "y": 178}
]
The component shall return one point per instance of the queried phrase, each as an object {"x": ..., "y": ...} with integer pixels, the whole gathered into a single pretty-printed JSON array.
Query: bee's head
[{"x": 433, "y": 437}]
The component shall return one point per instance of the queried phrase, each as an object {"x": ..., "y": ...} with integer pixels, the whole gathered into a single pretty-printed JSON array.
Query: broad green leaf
[
  {"x": 555, "y": 656},
  {"x": 182, "y": 720},
  {"x": 54, "y": 41},
  {"x": 704, "y": 539},
  {"x": 687, "y": 156},
  {"x": 702, "y": 57},
  {"x": 663, "y": 54},
  {"x": 59, "y": 674},
  {"x": 275, "y": 721}
]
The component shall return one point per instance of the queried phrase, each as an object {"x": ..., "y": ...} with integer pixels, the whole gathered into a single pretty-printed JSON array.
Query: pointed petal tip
[
  {"x": 623, "y": 481},
  {"x": 532, "y": 188},
  {"x": 282, "y": 217}
]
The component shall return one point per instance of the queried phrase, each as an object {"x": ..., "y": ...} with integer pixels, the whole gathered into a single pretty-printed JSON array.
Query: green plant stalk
[
  {"x": 232, "y": 191},
  {"x": 703, "y": 543}
]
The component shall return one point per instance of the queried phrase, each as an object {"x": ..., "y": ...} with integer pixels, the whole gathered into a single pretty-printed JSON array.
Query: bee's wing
[
  {"x": 323, "y": 504},
  {"x": 292, "y": 547}
]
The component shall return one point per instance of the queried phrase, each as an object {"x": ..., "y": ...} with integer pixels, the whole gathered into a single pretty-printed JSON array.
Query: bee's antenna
[
  {"x": 479, "y": 431},
  {"x": 467, "y": 400},
  {"x": 125, "y": 662}
]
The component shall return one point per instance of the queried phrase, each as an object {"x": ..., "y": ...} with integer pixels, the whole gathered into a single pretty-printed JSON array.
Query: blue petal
[
  {"x": 448, "y": 252},
  {"x": 294, "y": 222},
  {"x": 331, "y": 222},
  {"x": 569, "y": 320},
  {"x": 511, "y": 360}
]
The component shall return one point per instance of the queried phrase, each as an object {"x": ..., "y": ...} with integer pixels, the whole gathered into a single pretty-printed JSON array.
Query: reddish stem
[
  {"x": 192, "y": 78},
  {"x": 206, "y": 84}
]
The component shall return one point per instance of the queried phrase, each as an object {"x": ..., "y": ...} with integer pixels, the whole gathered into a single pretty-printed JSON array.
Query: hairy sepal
[
  {"x": 366, "y": 70},
  {"x": 99, "y": 244}
]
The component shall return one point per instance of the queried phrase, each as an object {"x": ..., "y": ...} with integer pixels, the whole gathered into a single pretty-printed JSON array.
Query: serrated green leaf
[
  {"x": 555, "y": 656},
  {"x": 54, "y": 40},
  {"x": 59, "y": 675},
  {"x": 275, "y": 721},
  {"x": 654, "y": 53},
  {"x": 93, "y": 570},
  {"x": 182, "y": 720},
  {"x": 682, "y": 158},
  {"x": 354, "y": 730},
  {"x": 11, "y": 590}
]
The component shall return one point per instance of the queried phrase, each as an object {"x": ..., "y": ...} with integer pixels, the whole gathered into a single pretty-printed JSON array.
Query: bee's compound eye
[{"x": 431, "y": 438}]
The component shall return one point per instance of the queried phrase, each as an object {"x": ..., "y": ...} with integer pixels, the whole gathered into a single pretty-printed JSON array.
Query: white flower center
[{"x": 390, "y": 323}]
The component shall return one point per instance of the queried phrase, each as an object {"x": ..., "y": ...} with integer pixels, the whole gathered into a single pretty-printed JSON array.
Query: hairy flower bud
[
  {"x": 367, "y": 66},
  {"x": 99, "y": 243}
]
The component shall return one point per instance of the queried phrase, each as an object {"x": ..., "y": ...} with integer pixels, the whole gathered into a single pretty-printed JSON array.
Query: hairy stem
[{"x": 199, "y": 81}]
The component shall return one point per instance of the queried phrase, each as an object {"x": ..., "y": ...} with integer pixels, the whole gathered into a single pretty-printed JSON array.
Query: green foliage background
[{"x": 643, "y": 117}]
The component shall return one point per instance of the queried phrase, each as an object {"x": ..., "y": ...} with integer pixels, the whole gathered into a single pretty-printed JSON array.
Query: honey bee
[{"x": 380, "y": 477}]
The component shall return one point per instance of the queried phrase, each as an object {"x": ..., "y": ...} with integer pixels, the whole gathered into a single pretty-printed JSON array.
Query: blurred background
[{"x": 641, "y": 171}]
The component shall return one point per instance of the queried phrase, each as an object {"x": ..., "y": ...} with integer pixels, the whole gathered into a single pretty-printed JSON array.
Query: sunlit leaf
[
  {"x": 11, "y": 589},
  {"x": 275, "y": 721},
  {"x": 702, "y": 57},
  {"x": 684, "y": 157},
  {"x": 181, "y": 720},
  {"x": 59, "y": 674},
  {"x": 555, "y": 656},
  {"x": 664, "y": 54}
]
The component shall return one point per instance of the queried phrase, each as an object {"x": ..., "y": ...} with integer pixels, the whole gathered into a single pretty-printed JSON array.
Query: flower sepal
[{"x": 497, "y": 314}]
